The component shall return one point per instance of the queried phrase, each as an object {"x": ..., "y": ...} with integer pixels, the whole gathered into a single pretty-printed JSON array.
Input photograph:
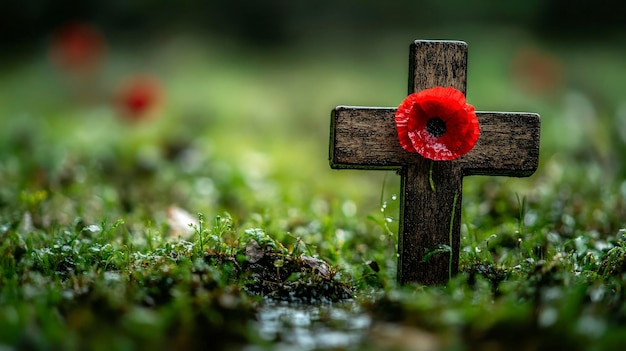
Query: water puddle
[{"x": 291, "y": 326}]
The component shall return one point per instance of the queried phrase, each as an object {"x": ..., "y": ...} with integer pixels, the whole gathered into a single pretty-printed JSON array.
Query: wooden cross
[{"x": 366, "y": 138}]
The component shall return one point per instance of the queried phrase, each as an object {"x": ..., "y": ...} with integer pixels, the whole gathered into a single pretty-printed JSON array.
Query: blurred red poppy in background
[
  {"x": 437, "y": 123},
  {"x": 77, "y": 46},
  {"x": 537, "y": 72},
  {"x": 138, "y": 97}
]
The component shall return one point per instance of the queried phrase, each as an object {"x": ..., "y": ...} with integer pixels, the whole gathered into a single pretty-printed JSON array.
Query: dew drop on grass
[
  {"x": 67, "y": 294},
  {"x": 340, "y": 234},
  {"x": 597, "y": 293},
  {"x": 552, "y": 294},
  {"x": 553, "y": 238},
  {"x": 581, "y": 244},
  {"x": 112, "y": 276},
  {"x": 568, "y": 220},
  {"x": 320, "y": 207},
  {"x": 601, "y": 245},
  {"x": 142, "y": 317},
  {"x": 204, "y": 186},
  {"x": 530, "y": 218},
  {"x": 279, "y": 263},
  {"x": 93, "y": 228},
  {"x": 548, "y": 317},
  {"x": 348, "y": 208}
]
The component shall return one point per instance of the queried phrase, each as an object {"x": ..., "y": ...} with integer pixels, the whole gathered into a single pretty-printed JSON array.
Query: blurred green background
[
  {"x": 120, "y": 121},
  {"x": 249, "y": 86},
  {"x": 283, "y": 22}
]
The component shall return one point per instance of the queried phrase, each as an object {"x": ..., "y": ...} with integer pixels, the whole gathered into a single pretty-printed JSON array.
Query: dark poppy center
[{"x": 436, "y": 127}]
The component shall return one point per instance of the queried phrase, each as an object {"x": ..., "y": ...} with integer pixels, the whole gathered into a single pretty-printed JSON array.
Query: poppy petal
[{"x": 448, "y": 104}]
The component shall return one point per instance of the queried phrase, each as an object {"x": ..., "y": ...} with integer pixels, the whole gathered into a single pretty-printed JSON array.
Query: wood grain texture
[
  {"x": 437, "y": 63},
  {"x": 366, "y": 138},
  {"x": 425, "y": 222}
]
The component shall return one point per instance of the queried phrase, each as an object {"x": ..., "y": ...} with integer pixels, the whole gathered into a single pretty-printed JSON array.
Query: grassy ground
[{"x": 96, "y": 252}]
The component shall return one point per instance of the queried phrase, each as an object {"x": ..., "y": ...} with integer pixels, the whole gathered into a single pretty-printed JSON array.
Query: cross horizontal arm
[{"x": 366, "y": 138}]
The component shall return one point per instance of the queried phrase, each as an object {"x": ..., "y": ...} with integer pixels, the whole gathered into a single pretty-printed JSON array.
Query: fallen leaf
[
  {"x": 254, "y": 252},
  {"x": 317, "y": 265}
]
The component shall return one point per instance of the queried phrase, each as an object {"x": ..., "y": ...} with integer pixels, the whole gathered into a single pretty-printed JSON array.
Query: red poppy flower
[
  {"x": 537, "y": 72},
  {"x": 77, "y": 46},
  {"x": 138, "y": 96},
  {"x": 437, "y": 123}
]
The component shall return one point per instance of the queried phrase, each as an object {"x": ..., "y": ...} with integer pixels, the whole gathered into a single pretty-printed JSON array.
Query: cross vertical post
[{"x": 366, "y": 138}]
